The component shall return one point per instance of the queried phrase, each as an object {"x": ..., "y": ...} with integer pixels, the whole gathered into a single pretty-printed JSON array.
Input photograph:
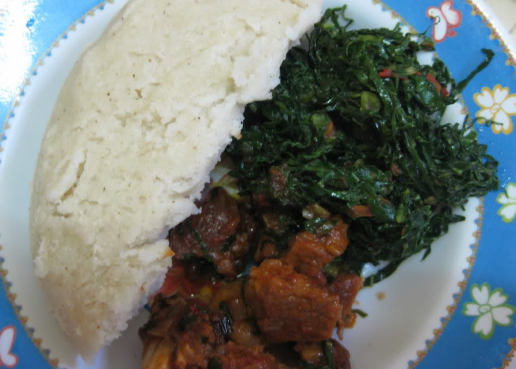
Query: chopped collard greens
[{"x": 354, "y": 129}]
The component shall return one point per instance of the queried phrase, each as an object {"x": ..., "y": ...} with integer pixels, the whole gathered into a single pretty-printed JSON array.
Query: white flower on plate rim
[
  {"x": 490, "y": 310},
  {"x": 508, "y": 202},
  {"x": 497, "y": 105}
]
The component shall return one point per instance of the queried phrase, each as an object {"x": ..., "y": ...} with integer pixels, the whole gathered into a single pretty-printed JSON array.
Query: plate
[{"x": 454, "y": 310}]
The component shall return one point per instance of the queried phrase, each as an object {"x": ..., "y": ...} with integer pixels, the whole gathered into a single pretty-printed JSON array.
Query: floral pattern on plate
[
  {"x": 446, "y": 19},
  {"x": 490, "y": 308},
  {"x": 508, "y": 202},
  {"x": 7, "y": 338},
  {"x": 497, "y": 105}
]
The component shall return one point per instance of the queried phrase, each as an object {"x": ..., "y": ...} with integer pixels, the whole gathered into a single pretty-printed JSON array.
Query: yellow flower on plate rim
[{"x": 497, "y": 105}]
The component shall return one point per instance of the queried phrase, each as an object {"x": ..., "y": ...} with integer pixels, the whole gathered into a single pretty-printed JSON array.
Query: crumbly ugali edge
[{"x": 70, "y": 261}]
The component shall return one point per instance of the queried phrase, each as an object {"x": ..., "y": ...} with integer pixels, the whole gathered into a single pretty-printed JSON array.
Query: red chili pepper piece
[
  {"x": 430, "y": 77},
  {"x": 386, "y": 73}
]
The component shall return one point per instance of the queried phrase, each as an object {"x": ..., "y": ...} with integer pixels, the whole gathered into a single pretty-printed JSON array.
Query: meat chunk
[
  {"x": 289, "y": 306},
  {"x": 341, "y": 357},
  {"x": 309, "y": 253},
  {"x": 346, "y": 286},
  {"x": 238, "y": 357},
  {"x": 211, "y": 233},
  {"x": 315, "y": 353}
]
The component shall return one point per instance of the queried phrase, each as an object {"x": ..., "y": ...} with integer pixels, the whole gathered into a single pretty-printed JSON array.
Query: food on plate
[
  {"x": 139, "y": 124},
  {"x": 355, "y": 128},
  {"x": 348, "y": 164}
]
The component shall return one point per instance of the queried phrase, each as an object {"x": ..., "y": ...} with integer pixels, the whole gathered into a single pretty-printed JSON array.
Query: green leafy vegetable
[
  {"x": 356, "y": 121},
  {"x": 360, "y": 313},
  {"x": 489, "y": 56},
  {"x": 328, "y": 350}
]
